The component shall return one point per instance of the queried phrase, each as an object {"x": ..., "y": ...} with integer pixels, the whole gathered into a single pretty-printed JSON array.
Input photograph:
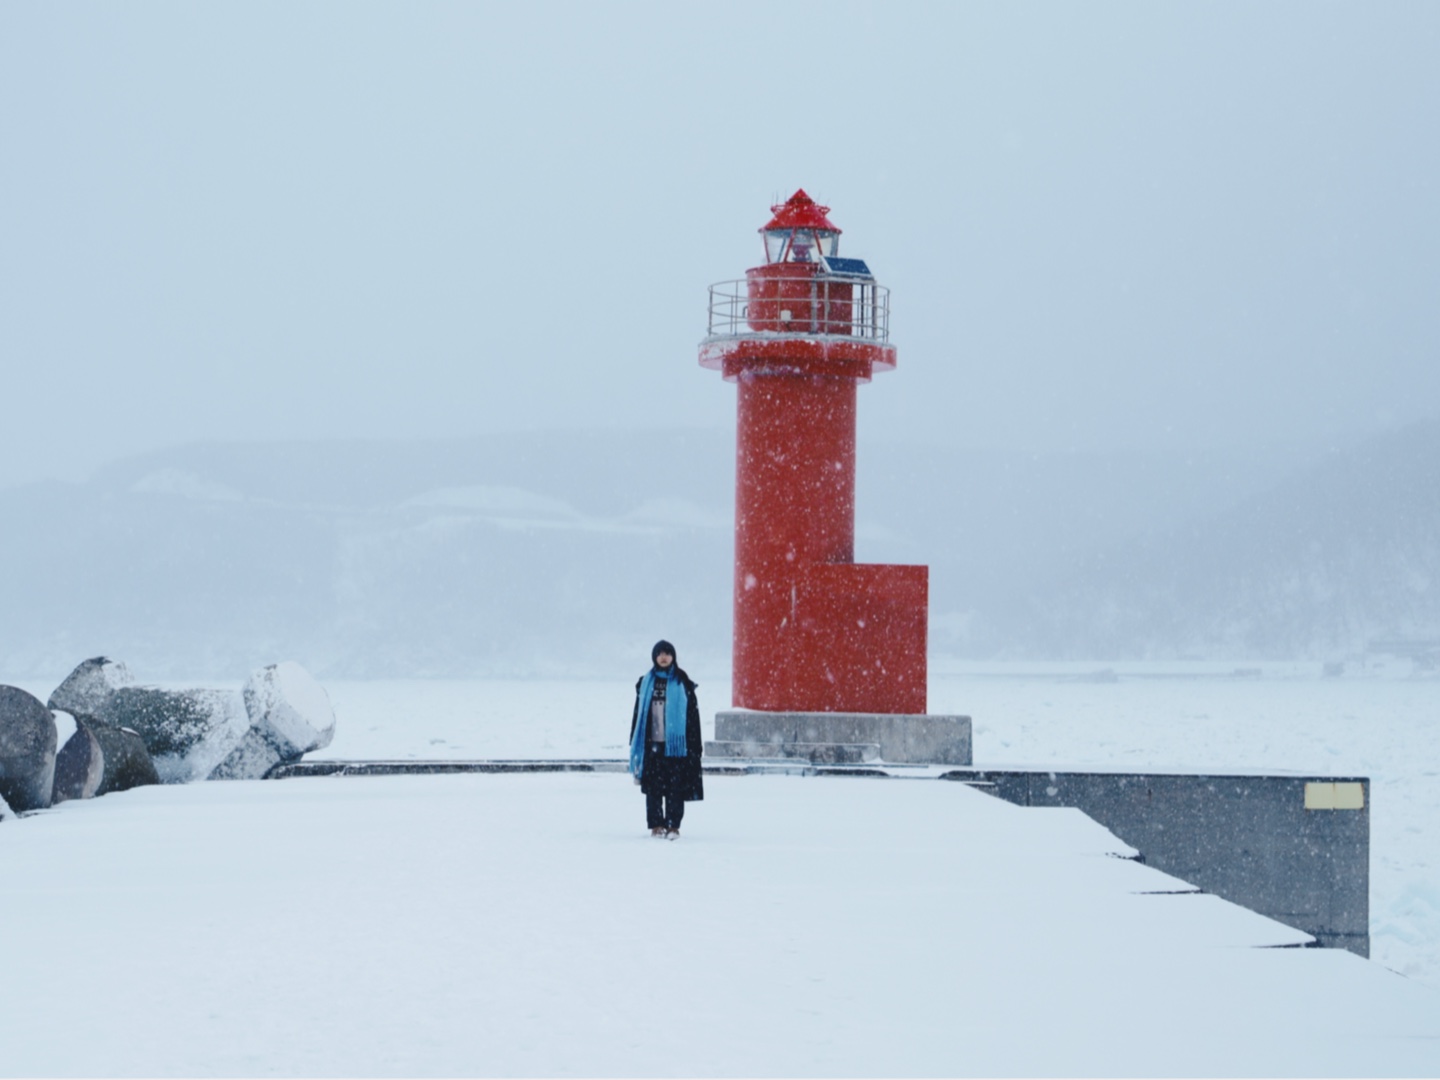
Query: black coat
[{"x": 692, "y": 786}]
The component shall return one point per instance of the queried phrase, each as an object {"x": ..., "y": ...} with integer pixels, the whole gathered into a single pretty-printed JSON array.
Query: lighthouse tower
[{"x": 815, "y": 632}]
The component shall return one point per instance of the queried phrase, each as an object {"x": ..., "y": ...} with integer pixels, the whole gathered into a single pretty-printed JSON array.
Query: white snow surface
[
  {"x": 517, "y": 924},
  {"x": 1190, "y": 717},
  {"x": 527, "y": 925}
]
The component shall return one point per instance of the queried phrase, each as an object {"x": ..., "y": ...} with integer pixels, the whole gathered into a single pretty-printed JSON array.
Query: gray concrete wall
[
  {"x": 901, "y": 737},
  {"x": 1249, "y": 839}
]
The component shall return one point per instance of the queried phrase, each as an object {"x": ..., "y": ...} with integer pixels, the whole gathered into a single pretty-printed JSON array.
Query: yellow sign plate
[{"x": 1321, "y": 795}]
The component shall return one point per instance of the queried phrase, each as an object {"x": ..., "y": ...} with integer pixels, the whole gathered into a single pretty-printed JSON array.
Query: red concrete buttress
[{"x": 814, "y": 631}]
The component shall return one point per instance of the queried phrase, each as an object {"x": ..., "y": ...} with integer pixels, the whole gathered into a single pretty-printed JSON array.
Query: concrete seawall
[{"x": 1294, "y": 848}]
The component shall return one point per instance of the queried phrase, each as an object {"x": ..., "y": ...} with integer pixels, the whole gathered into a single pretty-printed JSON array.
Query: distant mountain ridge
[
  {"x": 512, "y": 554},
  {"x": 1342, "y": 554},
  {"x": 570, "y": 552}
]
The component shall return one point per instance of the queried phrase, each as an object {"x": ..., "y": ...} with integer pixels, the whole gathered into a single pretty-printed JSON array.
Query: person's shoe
[
  {"x": 657, "y": 832},
  {"x": 672, "y": 834}
]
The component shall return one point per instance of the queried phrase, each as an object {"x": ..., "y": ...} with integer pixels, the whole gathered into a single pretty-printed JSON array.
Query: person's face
[{"x": 664, "y": 660}]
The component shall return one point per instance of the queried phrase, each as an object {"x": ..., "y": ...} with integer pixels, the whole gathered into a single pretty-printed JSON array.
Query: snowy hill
[
  {"x": 521, "y": 554},
  {"x": 568, "y": 552},
  {"x": 1343, "y": 554}
]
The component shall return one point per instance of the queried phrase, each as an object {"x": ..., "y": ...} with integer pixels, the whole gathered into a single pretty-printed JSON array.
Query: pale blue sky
[{"x": 1104, "y": 224}]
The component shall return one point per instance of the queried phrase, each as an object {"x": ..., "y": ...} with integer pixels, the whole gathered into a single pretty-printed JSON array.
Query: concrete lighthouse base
[{"x": 835, "y": 738}]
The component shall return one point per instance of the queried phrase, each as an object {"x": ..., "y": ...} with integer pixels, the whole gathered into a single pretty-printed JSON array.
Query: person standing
[{"x": 665, "y": 743}]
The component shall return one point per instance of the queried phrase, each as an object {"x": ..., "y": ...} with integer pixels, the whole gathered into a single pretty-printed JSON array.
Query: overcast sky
[{"x": 1104, "y": 224}]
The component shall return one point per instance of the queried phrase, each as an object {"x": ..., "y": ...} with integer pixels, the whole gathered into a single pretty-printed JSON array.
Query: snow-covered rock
[
  {"x": 127, "y": 762},
  {"x": 5, "y": 811},
  {"x": 290, "y": 714},
  {"x": 250, "y": 760},
  {"x": 98, "y": 759},
  {"x": 27, "y": 750},
  {"x": 135, "y": 734},
  {"x": 186, "y": 732},
  {"x": 290, "y": 707},
  {"x": 85, "y": 690},
  {"x": 80, "y": 764}
]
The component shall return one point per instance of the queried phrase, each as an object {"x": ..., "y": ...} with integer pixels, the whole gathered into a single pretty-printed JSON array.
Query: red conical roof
[{"x": 799, "y": 212}]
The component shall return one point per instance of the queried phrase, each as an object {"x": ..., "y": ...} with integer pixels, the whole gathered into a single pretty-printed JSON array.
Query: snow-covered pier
[
  {"x": 496, "y": 924},
  {"x": 1280, "y": 844}
]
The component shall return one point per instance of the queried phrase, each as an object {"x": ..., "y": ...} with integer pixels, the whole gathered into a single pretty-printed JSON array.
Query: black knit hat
[{"x": 661, "y": 646}]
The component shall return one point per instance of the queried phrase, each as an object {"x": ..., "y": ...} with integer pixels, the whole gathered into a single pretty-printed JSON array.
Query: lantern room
[
  {"x": 804, "y": 286},
  {"x": 800, "y": 232}
]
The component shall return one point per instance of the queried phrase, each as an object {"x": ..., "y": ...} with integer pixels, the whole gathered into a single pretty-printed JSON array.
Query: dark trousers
[{"x": 664, "y": 808}]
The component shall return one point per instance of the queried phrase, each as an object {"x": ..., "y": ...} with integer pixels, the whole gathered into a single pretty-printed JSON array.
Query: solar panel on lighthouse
[{"x": 839, "y": 267}]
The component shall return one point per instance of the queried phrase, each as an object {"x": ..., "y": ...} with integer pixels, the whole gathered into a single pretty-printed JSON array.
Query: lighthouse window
[
  {"x": 775, "y": 242},
  {"x": 800, "y": 245}
]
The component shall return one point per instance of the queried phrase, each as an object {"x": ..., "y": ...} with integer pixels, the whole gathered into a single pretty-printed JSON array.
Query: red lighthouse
[{"x": 815, "y": 632}]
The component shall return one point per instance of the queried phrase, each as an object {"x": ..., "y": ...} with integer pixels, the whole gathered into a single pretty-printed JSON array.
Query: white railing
[{"x": 819, "y": 306}]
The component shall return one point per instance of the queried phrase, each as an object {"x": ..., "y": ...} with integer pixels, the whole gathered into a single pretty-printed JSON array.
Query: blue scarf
[{"x": 677, "y": 708}]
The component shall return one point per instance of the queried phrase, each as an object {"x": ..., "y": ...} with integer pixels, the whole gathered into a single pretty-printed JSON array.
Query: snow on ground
[
  {"x": 525, "y": 924},
  {"x": 1181, "y": 716},
  {"x": 517, "y": 923}
]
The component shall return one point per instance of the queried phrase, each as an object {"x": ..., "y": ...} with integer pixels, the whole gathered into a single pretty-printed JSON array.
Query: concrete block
[{"x": 904, "y": 738}]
